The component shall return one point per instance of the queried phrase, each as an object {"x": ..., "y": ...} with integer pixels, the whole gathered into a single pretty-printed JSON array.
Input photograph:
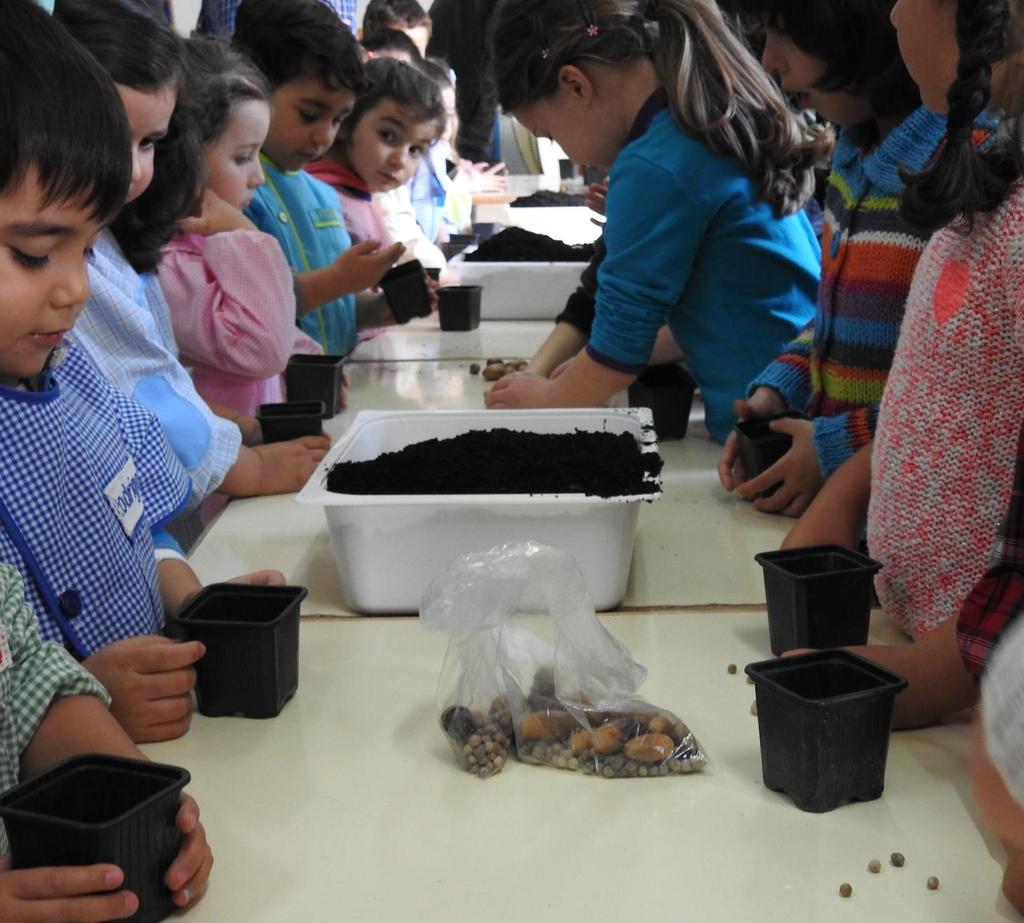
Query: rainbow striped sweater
[{"x": 836, "y": 369}]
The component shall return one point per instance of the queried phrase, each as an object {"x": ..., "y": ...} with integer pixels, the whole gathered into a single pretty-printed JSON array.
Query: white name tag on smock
[{"x": 124, "y": 498}]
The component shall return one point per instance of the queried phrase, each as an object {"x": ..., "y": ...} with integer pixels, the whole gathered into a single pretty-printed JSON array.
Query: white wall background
[{"x": 186, "y": 12}]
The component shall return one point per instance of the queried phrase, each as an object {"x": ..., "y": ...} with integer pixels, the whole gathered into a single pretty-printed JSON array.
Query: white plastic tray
[
  {"x": 573, "y": 224},
  {"x": 521, "y": 291},
  {"x": 389, "y": 547}
]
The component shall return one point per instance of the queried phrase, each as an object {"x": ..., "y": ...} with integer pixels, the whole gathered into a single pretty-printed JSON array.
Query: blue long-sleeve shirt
[
  {"x": 304, "y": 215},
  {"x": 691, "y": 244}
]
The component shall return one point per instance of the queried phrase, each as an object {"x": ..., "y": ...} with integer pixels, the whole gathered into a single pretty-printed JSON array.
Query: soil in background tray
[
  {"x": 515, "y": 245},
  {"x": 544, "y": 198},
  {"x": 503, "y": 461}
]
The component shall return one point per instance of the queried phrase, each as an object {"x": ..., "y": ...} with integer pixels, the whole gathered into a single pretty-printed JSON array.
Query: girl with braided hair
[
  {"x": 708, "y": 172},
  {"x": 939, "y": 478}
]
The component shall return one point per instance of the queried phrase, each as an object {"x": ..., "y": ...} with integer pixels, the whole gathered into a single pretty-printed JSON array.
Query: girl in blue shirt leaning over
[{"x": 709, "y": 170}]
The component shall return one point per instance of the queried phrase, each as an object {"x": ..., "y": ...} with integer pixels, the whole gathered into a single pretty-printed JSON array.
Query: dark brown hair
[
  {"x": 717, "y": 89},
  {"x": 965, "y": 179}
]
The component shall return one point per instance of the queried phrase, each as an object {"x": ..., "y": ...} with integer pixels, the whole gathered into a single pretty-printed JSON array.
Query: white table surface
[
  {"x": 423, "y": 338},
  {"x": 694, "y": 547},
  {"x": 349, "y": 805}
]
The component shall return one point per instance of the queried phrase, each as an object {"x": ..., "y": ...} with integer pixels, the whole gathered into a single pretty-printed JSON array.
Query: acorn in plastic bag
[{"x": 569, "y": 702}]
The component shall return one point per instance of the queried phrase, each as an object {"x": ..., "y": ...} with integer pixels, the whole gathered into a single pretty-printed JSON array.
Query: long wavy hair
[
  {"x": 966, "y": 180},
  {"x": 717, "y": 89},
  {"x": 142, "y": 52}
]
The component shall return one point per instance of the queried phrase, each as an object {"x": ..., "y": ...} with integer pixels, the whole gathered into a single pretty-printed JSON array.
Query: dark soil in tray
[
  {"x": 502, "y": 461},
  {"x": 514, "y": 245},
  {"x": 544, "y": 198}
]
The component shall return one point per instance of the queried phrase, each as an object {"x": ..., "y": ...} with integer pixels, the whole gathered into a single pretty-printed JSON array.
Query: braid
[{"x": 963, "y": 182}]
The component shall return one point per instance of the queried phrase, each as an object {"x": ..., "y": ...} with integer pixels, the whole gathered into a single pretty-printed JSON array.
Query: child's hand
[
  {"x": 217, "y": 216},
  {"x": 286, "y": 466},
  {"x": 484, "y": 179},
  {"x": 597, "y": 196},
  {"x": 362, "y": 265},
  {"x": 798, "y": 471},
  {"x": 86, "y": 894},
  {"x": 764, "y": 402},
  {"x": 519, "y": 390},
  {"x": 252, "y": 432},
  {"x": 188, "y": 874},
  {"x": 260, "y": 578},
  {"x": 150, "y": 680}
]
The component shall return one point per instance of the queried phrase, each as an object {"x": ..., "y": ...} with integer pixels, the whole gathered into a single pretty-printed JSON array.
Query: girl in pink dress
[{"x": 229, "y": 286}]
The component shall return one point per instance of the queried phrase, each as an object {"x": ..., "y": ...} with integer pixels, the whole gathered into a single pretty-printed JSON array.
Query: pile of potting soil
[
  {"x": 503, "y": 461},
  {"x": 544, "y": 198},
  {"x": 515, "y": 245}
]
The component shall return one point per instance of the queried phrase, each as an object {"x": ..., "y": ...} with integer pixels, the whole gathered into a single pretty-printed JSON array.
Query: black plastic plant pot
[
  {"x": 817, "y": 597},
  {"x": 405, "y": 287},
  {"x": 95, "y": 808},
  {"x": 668, "y": 390},
  {"x": 315, "y": 378},
  {"x": 824, "y": 721},
  {"x": 251, "y": 633},
  {"x": 458, "y": 307},
  {"x": 760, "y": 447},
  {"x": 433, "y": 271},
  {"x": 281, "y": 422},
  {"x": 456, "y": 243}
]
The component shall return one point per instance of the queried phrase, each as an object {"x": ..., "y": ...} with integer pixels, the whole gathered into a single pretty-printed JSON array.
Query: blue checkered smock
[
  {"x": 217, "y": 17},
  {"x": 90, "y": 579}
]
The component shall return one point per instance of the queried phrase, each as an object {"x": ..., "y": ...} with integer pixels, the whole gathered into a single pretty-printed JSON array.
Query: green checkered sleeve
[{"x": 40, "y": 671}]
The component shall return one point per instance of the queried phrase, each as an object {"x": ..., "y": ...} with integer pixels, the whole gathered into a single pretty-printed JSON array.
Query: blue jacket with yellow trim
[{"x": 304, "y": 215}]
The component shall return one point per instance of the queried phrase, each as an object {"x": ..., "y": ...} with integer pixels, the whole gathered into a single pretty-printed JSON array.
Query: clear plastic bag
[{"x": 528, "y": 655}]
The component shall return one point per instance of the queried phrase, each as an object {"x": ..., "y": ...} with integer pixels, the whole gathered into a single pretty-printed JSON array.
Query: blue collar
[
  {"x": 655, "y": 103},
  {"x": 911, "y": 145}
]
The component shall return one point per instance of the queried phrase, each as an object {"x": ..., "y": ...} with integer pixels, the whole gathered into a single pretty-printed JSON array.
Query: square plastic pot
[
  {"x": 405, "y": 287},
  {"x": 458, "y": 307},
  {"x": 315, "y": 378},
  {"x": 668, "y": 390},
  {"x": 817, "y": 597},
  {"x": 760, "y": 447},
  {"x": 824, "y": 721},
  {"x": 456, "y": 243},
  {"x": 95, "y": 808},
  {"x": 281, "y": 422},
  {"x": 251, "y": 633}
]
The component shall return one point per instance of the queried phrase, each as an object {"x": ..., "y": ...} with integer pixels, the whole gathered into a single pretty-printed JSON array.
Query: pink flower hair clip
[
  {"x": 592, "y": 30},
  {"x": 545, "y": 53}
]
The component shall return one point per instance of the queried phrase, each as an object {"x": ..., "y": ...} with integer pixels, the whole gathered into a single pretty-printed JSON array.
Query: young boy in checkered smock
[
  {"x": 54, "y": 195},
  {"x": 88, "y": 478}
]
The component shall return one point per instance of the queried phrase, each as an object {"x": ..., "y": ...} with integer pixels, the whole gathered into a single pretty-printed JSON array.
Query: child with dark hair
[
  {"x": 391, "y": 43},
  {"x": 316, "y": 74},
  {"x": 127, "y": 330},
  {"x": 217, "y": 17},
  {"x": 405, "y": 16},
  {"x": 939, "y": 477},
  {"x": 378, "y": 150},
  {"x": 228, "y": 285},
  {"x": 840, "y": 58},
  {"x": 87, "y": 475},
  {"x": 709, "y": 171}
]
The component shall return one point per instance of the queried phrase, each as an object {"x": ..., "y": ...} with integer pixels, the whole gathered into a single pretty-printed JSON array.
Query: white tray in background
[
  {"x": 521, "y": 291},
  {"x": 389, "y": 547}
]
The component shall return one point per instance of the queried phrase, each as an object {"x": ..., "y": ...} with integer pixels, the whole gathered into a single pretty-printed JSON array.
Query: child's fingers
[
  {"x": 189, "y": 861},
  {"x": 64, "y": 881},
  {"x": 170, "y": 684},
  {"x": 93, "y": 909},
  {"x": 363, "y": 247},
  {"x": 171, "y": 710},
  {"x": 188, "y": 814},
  {"x": 261, "y": 578},
  {"x": 314, "y": 442},
  {"x": 168, "y": 655},
  {"x": 195, "y": 886}
]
